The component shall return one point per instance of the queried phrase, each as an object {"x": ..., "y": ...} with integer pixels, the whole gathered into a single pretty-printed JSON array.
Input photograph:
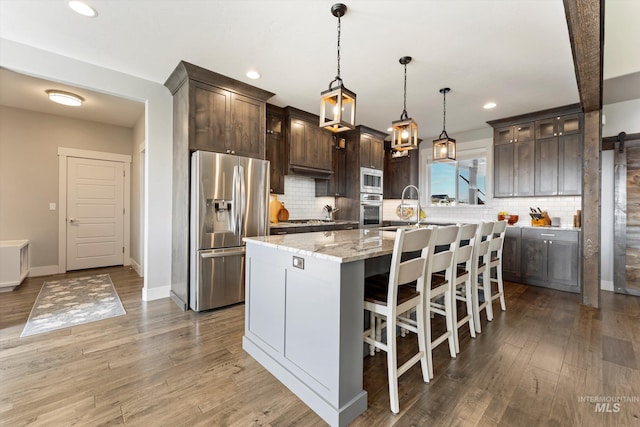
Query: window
[{"x": 458, "y": 183}]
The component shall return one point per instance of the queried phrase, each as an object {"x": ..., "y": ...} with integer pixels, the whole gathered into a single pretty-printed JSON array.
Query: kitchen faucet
[{"x": 418, "y": 213}]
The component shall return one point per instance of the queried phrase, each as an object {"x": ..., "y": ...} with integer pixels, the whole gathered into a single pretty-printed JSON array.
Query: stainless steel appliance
[
  {"x": 229, "y": 201},
  {"x": 371, "y": 181},
  {"x": 370, "y": 210}
]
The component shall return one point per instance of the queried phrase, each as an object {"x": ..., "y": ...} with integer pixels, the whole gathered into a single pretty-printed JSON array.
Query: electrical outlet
[
  {"x": 298, "y": 262},
  {"x": 52, "y": 206}
]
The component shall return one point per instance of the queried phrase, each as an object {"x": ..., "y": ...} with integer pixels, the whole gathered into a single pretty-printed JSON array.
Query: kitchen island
[{"x": 304, "y": 313}]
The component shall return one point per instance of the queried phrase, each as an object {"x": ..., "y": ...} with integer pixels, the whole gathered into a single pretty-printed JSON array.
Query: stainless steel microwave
[{"x": 370, "y": 181}]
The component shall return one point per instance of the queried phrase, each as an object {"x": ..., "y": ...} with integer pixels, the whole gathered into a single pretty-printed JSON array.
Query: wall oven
[
  {"x": 370, "y": 180},
  {"x": 370, "y": 210}
]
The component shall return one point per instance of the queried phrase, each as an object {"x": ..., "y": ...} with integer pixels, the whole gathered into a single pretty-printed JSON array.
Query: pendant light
[
  {"x": 338, "y": 104},
  {"x": 444, "y": 148},
  {"x": 404, "y": 131}
]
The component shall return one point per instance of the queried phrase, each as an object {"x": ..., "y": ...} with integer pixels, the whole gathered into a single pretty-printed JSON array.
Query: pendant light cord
[
  {"x": 404, "y": 115},
  {"x": 444, "y": 114},
  {"x": 339, "y": 28}
]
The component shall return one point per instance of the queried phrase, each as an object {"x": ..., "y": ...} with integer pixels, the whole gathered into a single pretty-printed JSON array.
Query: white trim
[
  {"x": 63, "y": 154},
  {"x": 62, "y": 213},
  {"x": 606, "y": 285},
  {"x": 151, "y": 294},
  {"x": 137, "y": 267},
  {"x": 98, "y": 155},
  {"x": 45, "y": 270}
]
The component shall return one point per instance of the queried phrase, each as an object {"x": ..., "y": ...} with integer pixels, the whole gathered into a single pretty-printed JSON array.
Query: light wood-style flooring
[{"x": 160, "y": 366}]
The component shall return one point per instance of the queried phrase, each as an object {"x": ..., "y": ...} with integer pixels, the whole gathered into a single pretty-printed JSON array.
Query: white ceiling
[{"x": 515, "y": 53}]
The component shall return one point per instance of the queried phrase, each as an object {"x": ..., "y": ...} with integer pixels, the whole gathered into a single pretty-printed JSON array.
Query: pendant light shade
[
  {"x": 338, "y": 104},
  {"x": 444, "y": 148},
  {"x": 404, "y": 134}
]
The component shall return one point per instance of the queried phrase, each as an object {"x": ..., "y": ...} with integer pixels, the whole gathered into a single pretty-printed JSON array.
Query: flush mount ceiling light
[
  {"x": 65, "y": 98},
  {"x": 338, "y": 104},
  {"x": 83, "y": 9},
  {"x": 444, "y": 148},
  {"x": 253, "y": 75},
  {"x": 489, "y": 105},
  {"x": 404, "y": 131}
]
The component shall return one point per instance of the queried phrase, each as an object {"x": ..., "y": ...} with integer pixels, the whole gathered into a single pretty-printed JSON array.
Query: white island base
[{"x": 304, "y": 323}]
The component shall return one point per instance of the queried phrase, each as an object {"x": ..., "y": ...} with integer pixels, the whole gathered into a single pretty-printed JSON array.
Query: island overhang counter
[{"x": 304, "y": 313}]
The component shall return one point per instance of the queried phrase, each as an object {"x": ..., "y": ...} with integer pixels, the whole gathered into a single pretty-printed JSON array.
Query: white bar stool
[
  {"x": 399, "y": 296},
  {"x": 480, "y": 267}
]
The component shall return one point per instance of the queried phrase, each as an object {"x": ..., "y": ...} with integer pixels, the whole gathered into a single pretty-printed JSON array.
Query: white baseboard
[
  {"x": 45, "y": 270},
  {"x": 137, "y": 267},
  {"x": 150, "y": 294},
  {"x": 606, "y": 285}
]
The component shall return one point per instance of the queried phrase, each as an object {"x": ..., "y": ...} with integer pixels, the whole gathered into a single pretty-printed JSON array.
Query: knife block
[{"x": 545, "y": 221}]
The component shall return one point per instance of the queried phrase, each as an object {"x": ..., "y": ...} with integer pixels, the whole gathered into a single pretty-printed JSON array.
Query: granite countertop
[
  {"x": 340, "y": 246},
  {"x": 310, "y": 223}
]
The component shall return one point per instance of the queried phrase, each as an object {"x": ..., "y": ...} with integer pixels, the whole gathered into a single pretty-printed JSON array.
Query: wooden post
[
  {"x": 585, "y": 19},
  {"x": 591, "y": 211}
]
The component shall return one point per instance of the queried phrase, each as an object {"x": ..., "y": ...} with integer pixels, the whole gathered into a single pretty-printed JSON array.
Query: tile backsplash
[
  {"x": 563, "y": 207},
  {"x": 300, "y": 198},
  {"x": 301, "y": 202}
]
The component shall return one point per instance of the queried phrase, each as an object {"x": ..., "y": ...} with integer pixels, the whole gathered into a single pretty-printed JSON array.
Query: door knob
[{"x": 72, "y": 220}]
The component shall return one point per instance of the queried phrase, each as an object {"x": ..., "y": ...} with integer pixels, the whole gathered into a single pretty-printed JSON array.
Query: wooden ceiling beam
[{"x": 585, "y": 19}]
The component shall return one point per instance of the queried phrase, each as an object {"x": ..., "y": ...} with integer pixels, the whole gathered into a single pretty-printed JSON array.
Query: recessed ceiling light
[
  {"x": 82, "y": 8},
  {"x": 253, "y": 75},
  {"x": 489, "y": 105},
  {"x": 65, "y": 98}
]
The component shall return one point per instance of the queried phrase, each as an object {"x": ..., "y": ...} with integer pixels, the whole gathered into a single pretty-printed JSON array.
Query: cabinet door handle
[
  {"x": 544, "y": 241},
  {"x": 550, "y": 241},
  {"x": 547, "y": 235}
]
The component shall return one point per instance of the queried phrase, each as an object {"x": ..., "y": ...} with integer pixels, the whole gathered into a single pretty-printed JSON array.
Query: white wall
[
  {"x": 29, "y": 143},
  {"x": 137, "y": 194},
  {"x": 158, "y": 142}
]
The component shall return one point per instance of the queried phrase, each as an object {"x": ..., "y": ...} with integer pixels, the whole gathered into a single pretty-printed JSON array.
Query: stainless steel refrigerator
[{"x": 229, "y": 201}]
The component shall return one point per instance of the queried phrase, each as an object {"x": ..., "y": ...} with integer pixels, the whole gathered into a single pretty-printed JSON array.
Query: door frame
[{"x": 63, "y": 154}]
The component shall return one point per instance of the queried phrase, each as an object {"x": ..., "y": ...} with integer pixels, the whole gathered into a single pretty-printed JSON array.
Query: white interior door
[{"x": 95, "y": 213}]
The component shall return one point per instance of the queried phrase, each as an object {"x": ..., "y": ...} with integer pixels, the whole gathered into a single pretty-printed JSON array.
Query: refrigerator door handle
[
  {"x": 217, "y": 253},
  {"x": 243, "y": 204},
  {"x": 234, "y": 203}
]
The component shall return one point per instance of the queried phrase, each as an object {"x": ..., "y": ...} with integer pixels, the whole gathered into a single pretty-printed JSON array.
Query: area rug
[{"x": 70, "y": 302}]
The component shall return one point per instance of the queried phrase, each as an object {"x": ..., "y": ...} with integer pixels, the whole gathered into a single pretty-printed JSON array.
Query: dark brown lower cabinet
[
  {"x": 511, "y": 254},
  {"x": 550, "y": 258}
]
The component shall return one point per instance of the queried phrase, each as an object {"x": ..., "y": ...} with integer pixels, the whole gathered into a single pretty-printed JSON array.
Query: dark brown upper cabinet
[
  {"x": 400, "y": 172},
  {"x": 275, "y": 147},
  {"x": 521, "y": 132},
  {"x": 309, "y": 147},
  {"x": 371, "y": 150},
  {"x": 336, "y": 185},
  {"x": 559, "y": 156},
  {"x": 538, "y": 154},
  {"x": 218, "y": 113},
  {"x": 514, "y": 160}
]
